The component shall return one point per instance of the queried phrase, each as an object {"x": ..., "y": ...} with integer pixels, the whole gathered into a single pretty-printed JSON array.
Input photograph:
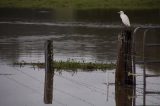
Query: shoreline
[{"x": 83, "y": 4}]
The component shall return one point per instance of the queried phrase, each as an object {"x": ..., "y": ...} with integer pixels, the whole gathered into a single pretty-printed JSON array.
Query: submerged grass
[
  {"x": 82, "y": 4},
  {"x": 72, "y": 65}
]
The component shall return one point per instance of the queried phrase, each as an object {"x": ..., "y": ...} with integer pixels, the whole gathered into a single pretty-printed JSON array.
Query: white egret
[{"x": 124, "y": 18}]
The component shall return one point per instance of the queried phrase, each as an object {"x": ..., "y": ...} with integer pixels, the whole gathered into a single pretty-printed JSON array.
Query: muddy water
[{"x": 83, "y": 35}]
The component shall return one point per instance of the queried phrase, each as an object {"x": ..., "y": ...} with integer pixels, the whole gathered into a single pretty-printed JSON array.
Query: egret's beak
[{"x": 118, "y": 12}]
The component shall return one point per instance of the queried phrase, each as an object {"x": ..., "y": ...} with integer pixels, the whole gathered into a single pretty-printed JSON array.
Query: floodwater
[{"x": 82, "y": 35}]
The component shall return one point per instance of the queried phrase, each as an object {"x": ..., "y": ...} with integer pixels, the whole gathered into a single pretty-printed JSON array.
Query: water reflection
[
  {"x": 91, "y": 33},
  {"x": 80, "y": 34},
  {"x": 70, "y": 15},
  {"x": 6, "y": 53},
  {"x": 95, "y": 43}
]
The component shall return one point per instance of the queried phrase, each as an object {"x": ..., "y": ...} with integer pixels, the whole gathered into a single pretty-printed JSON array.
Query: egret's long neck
[{"x": 121, "y": 15}]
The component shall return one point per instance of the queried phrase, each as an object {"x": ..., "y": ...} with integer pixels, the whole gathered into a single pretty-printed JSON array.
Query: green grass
[
  {"x": 82, "y": 4},
  {"x": 72, "y": 65}
]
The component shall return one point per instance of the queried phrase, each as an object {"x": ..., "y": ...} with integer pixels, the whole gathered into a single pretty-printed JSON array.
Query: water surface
[{"x": 83, "y": 35}]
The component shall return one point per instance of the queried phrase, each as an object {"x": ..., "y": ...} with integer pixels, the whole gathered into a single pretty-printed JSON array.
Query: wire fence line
[
  {"x": 151, "y": 83},
  {"x": 140, "y": 96},
  {"x": 28, "y": 87},
  {"x": 32, "y": 89},
  {"x": 88, "y": 86},
  {"x": 59, "y": 90},
  {"x": 141, "y": 92}
]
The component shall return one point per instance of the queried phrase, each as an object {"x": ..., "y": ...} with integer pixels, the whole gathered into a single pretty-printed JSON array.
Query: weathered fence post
[
  {"x": 124, "y": 95},
  {"x": 49, "y": 73},
  {"x": 124, "y": 61}
]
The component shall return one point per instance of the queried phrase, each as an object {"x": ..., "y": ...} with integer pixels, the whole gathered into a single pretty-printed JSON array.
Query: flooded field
[{"x": 82, "y": 35}]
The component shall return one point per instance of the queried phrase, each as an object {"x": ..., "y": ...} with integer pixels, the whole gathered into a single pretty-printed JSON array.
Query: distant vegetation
[{"x": 82, "y": 4}]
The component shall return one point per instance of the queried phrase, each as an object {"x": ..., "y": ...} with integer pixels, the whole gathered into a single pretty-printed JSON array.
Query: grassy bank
[
  {"x": 72, "y": 65},
  {"x": 82, "y": 4}
]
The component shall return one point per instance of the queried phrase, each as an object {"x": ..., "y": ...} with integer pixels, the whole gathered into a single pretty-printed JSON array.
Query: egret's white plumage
[{"x": 124, "y": 18}]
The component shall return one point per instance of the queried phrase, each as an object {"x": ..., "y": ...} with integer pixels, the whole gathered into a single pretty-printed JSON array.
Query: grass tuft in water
[{"x": 72, "y": 65}]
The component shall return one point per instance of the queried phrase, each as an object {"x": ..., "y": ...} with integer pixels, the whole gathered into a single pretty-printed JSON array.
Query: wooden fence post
[
  {"x": 124, "y": 95},
  {"x": 124, "y": 61},
  {"x": 49, "y": 73}
]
